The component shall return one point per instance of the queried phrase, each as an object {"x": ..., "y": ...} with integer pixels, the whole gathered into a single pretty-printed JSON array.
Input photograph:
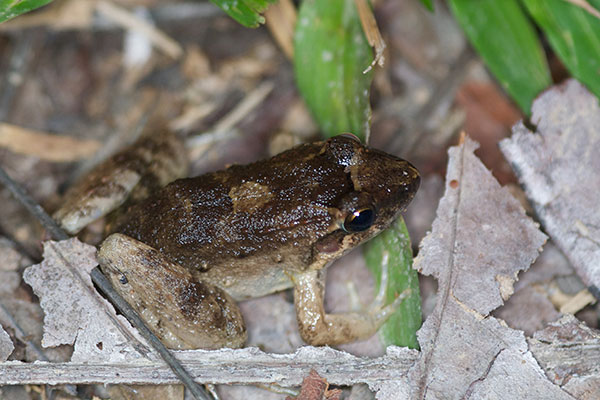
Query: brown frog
[{"x": 184, "y": 255}]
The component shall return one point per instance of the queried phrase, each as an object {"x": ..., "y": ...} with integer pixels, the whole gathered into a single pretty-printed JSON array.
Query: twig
[
  {"x": 225, "y": 366},
  {"x": 369, "y": 25},
  {"x": 100, "y": 280}
]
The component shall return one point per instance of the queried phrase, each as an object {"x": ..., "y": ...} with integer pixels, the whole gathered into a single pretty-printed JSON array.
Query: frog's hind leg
[
  {"x": 183, "y": 312},
  {"x": 156, "y": 159}
]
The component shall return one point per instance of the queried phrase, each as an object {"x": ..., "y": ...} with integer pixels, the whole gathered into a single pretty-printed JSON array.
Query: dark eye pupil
[
  {"x": 123, "y": 280},
  {"x": 359, "y": 221}
]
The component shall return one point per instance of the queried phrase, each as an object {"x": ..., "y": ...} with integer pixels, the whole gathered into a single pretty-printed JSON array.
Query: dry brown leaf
[
  {"x": 481, "y": 237},
  {"x": 560, "y": 169},
  {"x": 480, "y": 240},
  {"x": 314, "y": 387},
  {"x": 74, "y": 312},
  {"x": 569, "y": 352}
]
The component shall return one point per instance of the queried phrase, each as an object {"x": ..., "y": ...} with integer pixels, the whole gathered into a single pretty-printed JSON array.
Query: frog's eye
[
  {"x": 359, "y": 220},
  {"x": 123, "y": 280}
]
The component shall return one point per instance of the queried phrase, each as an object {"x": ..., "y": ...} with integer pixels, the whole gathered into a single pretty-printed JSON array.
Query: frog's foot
[
  {"x": 183, "y": 312},
  {"x": 320, "y": 328},
  {"x": 378, "y": 302},
  {"x": 379, "y": 306}
]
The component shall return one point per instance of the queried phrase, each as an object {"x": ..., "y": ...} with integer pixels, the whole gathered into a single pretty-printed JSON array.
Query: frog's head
[{"x": 382, "y": 185}]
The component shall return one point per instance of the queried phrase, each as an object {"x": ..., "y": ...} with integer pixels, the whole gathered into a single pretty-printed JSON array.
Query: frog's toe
[{"x": 382, "y": 312}]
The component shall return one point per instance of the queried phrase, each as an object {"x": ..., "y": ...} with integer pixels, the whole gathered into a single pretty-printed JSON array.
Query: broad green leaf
[
  {"x": 507, "y": 42},
  {"x": 330, "y": 55},
  {"x": 392, "y": 247},
  {"x": 246, "y": 12},
  {"x": 574, "y": 35},
  {"x": 428, "y": 4},
  {"x": 13, "y": 8}
]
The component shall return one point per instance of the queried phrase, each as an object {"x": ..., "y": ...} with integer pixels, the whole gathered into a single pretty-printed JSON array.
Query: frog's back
[{"x": 262, "y": 214}]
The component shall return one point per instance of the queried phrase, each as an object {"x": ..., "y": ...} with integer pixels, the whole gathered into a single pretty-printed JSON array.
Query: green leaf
[
  {"x": 13, "y": 8},
  {"x": 507, "y": 42},
  {"x": 393, "y": 246},
  {"x": 428, "y": 4},
  {"x": 246, "y": 12},
  {"x": 330, "y": 55},
  {"x": 574, "y": 35}
]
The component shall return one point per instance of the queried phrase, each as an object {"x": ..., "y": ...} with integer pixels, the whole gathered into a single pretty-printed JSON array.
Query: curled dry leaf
[
  {"x": 480, "y": 240},
  {"x": 560, "y": 169},
  {"x": 314, "y": 387},
  {"x": 6, "y": 345},
  {"x": 569, "y": 352},
  {"x": 74, "y": 311}
]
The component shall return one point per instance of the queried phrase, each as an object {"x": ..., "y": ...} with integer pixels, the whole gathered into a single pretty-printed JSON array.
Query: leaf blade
[
  {"x": 574, "y": 34},
  {"x": 330, "y": 54},
  {"x": 392, "y": 247},
  {"x": 10, "y": 8}
]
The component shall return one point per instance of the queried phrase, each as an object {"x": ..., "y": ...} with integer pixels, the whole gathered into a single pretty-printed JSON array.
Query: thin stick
[
  {"x": 371, "y": 30},
  {"x": 100, "y": 280}
]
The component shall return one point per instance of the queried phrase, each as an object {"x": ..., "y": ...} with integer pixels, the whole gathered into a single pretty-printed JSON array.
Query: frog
[{"x": 183, "y": 255}]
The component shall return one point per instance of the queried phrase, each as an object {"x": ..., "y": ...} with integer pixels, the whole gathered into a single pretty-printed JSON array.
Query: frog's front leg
[
  {"x": 183, "y": 312},
  {"x": 320, "y": 328}
]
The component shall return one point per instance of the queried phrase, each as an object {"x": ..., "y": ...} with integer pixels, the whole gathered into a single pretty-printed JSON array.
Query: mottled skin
[{"x": 252, "y": 230}]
